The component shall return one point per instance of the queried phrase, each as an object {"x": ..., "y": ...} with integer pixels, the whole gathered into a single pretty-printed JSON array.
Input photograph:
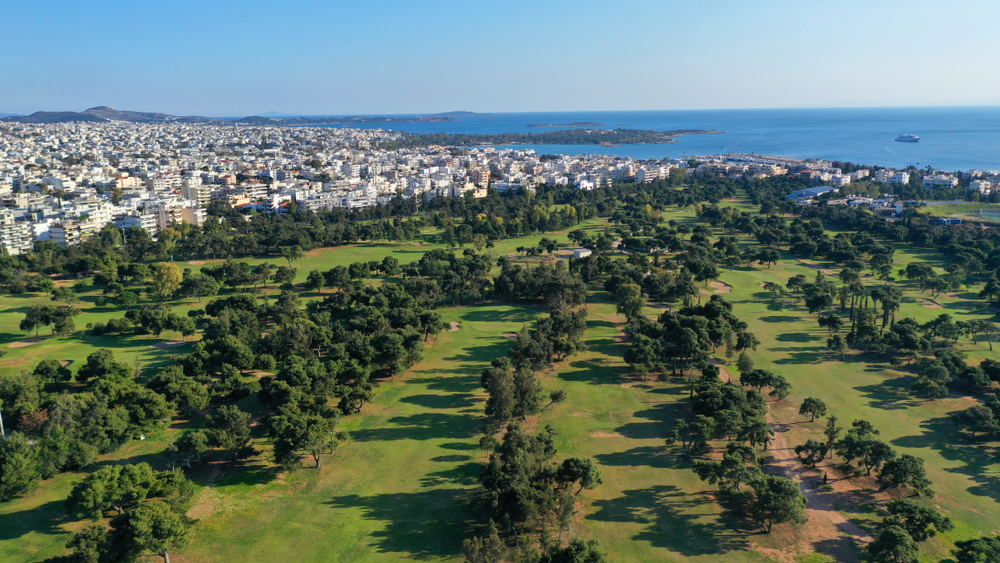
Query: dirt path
[{"x": 824, "y": 520}]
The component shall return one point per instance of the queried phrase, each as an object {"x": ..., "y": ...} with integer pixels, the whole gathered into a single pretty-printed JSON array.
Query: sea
[{"x": 951, "y": 138}]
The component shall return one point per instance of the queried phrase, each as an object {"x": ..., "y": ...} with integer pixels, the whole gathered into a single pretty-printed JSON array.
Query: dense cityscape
[{"x": 64, "y": 182}]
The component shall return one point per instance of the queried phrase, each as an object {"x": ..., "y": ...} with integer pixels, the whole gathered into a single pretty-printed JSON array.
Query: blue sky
[{"x": 234, "y": 58}]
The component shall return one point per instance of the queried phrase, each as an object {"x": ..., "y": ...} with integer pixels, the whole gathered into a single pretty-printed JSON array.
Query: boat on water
[{"x": 907, "y": 138}]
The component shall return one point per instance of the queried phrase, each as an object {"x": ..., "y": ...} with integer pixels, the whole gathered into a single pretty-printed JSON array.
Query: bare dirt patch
[
  {"x": 197, "y": 262},
  {"x": 26, "y": 342},
  {"x": 815, "y": 266},
  {"x": 510, "y": 335},
  {"x": 723, "y": 372},
  {"x": 66, "y": 363},
  {"x": 825, "y": 521},
  {"x": 455, "y": 325},
  {"x": 169, "y": 344},
  {"x": 607, "y": 435},
  {"x": 930, "y": 304}
]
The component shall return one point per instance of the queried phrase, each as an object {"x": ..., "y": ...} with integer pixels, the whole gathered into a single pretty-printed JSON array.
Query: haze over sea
[{"x": 951, "y": 138}]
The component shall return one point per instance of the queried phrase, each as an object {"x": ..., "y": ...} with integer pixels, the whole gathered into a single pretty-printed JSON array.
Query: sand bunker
[
  {"x": 720, "y": 287},
  {"x": 930, "y": 304},
  {"x": 455, "y": 325},
  {"x": 510, "y": 335},
  {"x": 23, "y": 343},
  {"x": 168, "y": 344},
  {"x": 197, "y": 262}
]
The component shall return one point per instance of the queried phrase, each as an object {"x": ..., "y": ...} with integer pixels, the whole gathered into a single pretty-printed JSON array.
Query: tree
[
  {"x": 488, "y": 548},
  {"x": 777, "y": 500},
  {"x": 774, "y": 289},
  {"x": 199, "y": 285},
  {"x": 978, "y": 419},
  {"x": 229, "y": 429},
  {"x": 744, "y": 363},
  {"x": 630, "y": 301},
  {"x": 814, "y": 452},
  {"x": 52, "y": 371},
  {"x": 580, "y": 469},
  {"x": 979, "y": 550},
  {"x": 315, "y": 281},
  {"x": 117, "y": 487},
  {"x": 693, "y": 435},
  {"x": 905, "y": 470},
  {"x": 191, "y": 444},
  {"x": 37, "y": 317},
  {"x": 894, "y": 545},
  {"x": 831, "y": 431},
  {"x": 102, "y": 365},
  {"x": 150, "y": 527},
  {"x": 127, "y": 299},
  {"x": 578, "y": 551},
  {"x": 166, "y": 280},
  {"x": 19, "y": 471},
  {"x": 291, "y": 253},
  {"x": 813, "y": 407},
  {"x": 920, "y": 521},
  {"x": 836, "y": 343}
]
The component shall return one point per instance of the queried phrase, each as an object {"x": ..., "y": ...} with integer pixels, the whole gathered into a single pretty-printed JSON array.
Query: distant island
[
  {"x": 607, "y": 137},
  {"x": 575, "y": 124}
]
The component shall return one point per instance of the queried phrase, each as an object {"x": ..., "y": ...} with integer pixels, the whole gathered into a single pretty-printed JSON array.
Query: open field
[{"x": 399, "y": 488}]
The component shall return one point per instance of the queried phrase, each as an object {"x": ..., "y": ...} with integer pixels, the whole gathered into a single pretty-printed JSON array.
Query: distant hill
[
  {"x": 104, "y": 114},
  {"x": 52, "y": 117}
]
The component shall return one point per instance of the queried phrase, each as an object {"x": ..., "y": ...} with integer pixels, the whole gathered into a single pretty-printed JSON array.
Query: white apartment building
[
  {"x": 981, "y": 186},
  {"x": 17, "y": 237},
  {"x": 194, "y": 190},
  {"x": 940, "y": 181},
  {"x": 71, "y": 233}
]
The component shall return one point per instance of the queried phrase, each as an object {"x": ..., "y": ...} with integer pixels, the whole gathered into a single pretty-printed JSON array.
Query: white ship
[{"x": 907, "y": 138}]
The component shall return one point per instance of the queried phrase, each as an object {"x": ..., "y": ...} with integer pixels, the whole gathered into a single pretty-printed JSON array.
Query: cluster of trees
[
  {"x": 148, "y": 519},
  {"x": 531, "y": 500},
  {"x": 60, "y": 431},
  {"x": 910, "y": 522},
  {"x": 149, "y": 319},
  {"x": 685, "y": 338},
  {"x": 861, "y": 444},
  {"x": 726, "y": 409}
]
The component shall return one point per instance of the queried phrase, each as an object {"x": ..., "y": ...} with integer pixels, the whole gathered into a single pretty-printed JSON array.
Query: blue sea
[{"x": 951, "y": 138}]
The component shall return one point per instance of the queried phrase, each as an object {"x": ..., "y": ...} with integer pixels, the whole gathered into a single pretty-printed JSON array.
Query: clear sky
[{"x": 235, "y": 58}]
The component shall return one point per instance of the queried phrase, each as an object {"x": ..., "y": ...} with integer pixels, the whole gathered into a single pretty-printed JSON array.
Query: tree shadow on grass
[
  {"x": 424, "y": 525},
  {"x": 519, "y": 313},
  {"x": 842, "y": 549},
  {"x": 466, "y": 474},
  {"x": 593, "y": 371},
  {"x": 648, "y": 456},
  {"x": 890, "y": 394},
  {"x": 43, "y": 519},
  {"x": 452, "y": 401},
  {"x": 461, "y": 446},
  {"x": 423, "y": 426},
  {"x": 798, "y": 356},
  {"x": 780, "y": 319},
  {"x": 796, "y": 337},
  {"x": 674, "y": 520},
  {"x": 975, "y": 458}
]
